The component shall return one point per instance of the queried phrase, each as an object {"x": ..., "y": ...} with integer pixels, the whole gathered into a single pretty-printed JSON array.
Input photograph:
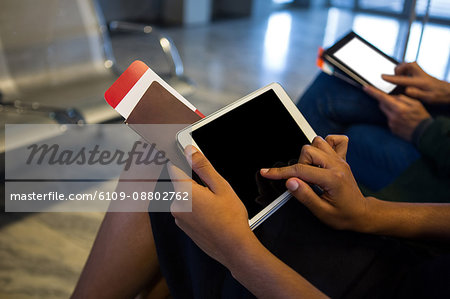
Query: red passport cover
[{"x": 142, "y": 97}]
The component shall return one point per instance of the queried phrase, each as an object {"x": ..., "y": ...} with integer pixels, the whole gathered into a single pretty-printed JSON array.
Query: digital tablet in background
[
  {"x": 264, "y": 129},
  {"x": 362, "y": 62}
]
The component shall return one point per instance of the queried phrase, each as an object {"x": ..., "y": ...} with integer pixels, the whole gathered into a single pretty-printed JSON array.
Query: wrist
[
  {"x": 244, "y": 250},
  {"x": 368, "y": 222}
]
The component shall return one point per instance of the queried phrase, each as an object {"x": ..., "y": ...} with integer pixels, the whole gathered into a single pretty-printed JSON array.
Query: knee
[{"x": 322, "y": 88}]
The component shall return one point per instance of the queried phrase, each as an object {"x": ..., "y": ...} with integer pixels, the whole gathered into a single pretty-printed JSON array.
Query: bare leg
[{"x": 123, "y": 260}]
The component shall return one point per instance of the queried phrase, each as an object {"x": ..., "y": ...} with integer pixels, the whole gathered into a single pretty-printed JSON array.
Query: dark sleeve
[{"x": 434, "y": 144}]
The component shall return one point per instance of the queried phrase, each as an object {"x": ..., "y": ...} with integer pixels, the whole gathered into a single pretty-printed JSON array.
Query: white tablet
[{"x": 262, "y": 130}]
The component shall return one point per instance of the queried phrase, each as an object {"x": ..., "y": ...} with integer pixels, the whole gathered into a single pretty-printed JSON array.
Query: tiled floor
[
  {"x": 41, "y": 255},
  {"x": 230, "y": 59}
]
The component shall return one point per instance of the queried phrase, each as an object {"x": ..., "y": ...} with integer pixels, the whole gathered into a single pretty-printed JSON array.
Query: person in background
[{"x": 399, "y": 144}]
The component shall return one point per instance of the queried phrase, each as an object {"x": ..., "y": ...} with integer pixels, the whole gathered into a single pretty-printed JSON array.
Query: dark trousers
[{"x": 341, "y": 264}]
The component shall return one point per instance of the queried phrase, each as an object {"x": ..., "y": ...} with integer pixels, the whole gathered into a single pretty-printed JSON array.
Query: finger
[
  {"x": 303, "y": 193},
  {"x": 203, "y": 168},
  {"x": 178, "y": 207},
  {"x": 311, "y": 174},
  {"x": 321, "y": 144},
  {"x": 311, "y": 155},
  {"x": 181, "y": 183},
  {"x": 402, "y": 69},
  {"x": 415, "y": 68},
  {"x": 387, "y": 111},
  {"x": 418, "y": 93},
  {"x": 404, "y": 80},
  {"x": 375, "y": 93},
  {"x": 411, "y": 68},
  {"x": 198, "y": 196},
  {"x": 176, "y": 174},
  {"x": 339, "y": 143},
  {"x": 406, "y": 100},
  {"x": 381, "y": 96}
]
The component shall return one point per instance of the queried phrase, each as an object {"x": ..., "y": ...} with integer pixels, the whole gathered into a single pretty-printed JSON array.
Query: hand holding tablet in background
[
  {"x": 362, "y": 62},
  {"x": 367, "y": 65},
  {"x": 404, "y": 114},
  {"x": 398, "y": 88}
]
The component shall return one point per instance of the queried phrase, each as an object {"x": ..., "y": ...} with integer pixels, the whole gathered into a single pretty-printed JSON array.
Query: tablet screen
[
  {"x": 367, "y": 62},
  {"x": 260, "y": 133}
]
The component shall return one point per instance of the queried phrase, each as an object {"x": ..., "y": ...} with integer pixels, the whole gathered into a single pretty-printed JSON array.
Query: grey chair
[{"x": 56, "y": 61}]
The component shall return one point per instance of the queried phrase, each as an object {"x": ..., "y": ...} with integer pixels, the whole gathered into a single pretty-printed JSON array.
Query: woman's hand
[
  {"x": 342, "y": 206},
  {"x": 218, "y": 222},
  {"x": 419, "y": 84}
]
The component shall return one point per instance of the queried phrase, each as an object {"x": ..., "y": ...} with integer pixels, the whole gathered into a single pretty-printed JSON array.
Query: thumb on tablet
[
  {"x": 182, "y": 184},
  {"x": 204, "y": 169},
  {"x": 176, "y": 174}
]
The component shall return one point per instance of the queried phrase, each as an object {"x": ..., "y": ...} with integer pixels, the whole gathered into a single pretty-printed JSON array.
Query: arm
[
  {"x": 265, "y": 275},
  {"x": 408, "y": 220},
  {"x": 218, "y": 224},
  {"x": 342, "y": 206}
]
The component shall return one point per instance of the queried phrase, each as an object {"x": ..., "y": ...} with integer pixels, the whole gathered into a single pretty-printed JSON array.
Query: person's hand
[
  {"x": 419, "y": 84},
  {"x": 342, "y": 205},
  {"x": 218, "y": 222},
  {"x": 403, "y": 113}
]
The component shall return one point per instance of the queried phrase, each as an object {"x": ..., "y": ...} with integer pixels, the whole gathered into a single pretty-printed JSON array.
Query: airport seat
[{"x": 56, "y": 61}]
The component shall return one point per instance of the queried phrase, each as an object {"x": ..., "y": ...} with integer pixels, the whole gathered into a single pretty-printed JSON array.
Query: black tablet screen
[{"x": 258, "y": 134}]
